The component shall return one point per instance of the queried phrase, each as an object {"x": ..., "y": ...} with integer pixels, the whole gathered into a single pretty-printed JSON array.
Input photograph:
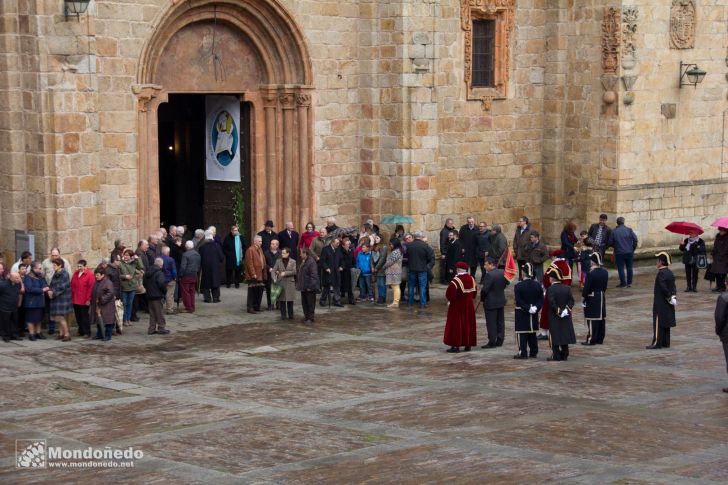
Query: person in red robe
[
  {"x": 460, "y": 329},
  {"x": 562, "y": 265}
]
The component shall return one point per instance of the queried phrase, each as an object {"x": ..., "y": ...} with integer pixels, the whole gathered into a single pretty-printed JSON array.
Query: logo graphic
[
  {"x": 30, "y": 453},
  {"x": 224, "y": 138}
]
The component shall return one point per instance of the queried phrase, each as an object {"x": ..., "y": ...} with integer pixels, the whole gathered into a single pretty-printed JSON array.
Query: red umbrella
[
  {"x": 721, "y": 222},
  {"x": 681, "y": 227}
]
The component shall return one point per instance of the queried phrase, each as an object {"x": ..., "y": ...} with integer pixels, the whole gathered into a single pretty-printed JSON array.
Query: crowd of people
[{"x": 328, "y": 264}]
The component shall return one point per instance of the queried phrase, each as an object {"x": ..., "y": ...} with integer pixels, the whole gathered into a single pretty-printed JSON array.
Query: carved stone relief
[
  {"x": 682, "y": 24},
  {"x": 629, "y": 31},
  {"x": 611, "y": 39}
]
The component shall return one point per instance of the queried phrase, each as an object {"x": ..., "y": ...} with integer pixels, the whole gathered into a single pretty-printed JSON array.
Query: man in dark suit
[
  {"x": 664, "y": 303},
  {"x": 454, "y": 254},
  {"x": 599, "y": 235},
  {"x": 493, "y": 296},
  {"x": 331, "y": 272},
  {"x": 529, "y": 300},
  {"x": 444, "y": 246},
  {"x": 267, "y": 235},
  {"x": 420, "y": 260},
  {"x": 467, "y": 239},
  {"x": 289, "y": 239},
  {"x": 594, "y": 301}
]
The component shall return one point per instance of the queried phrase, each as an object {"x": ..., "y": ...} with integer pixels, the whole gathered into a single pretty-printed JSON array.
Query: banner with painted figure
[{"x": 222, "y": 138}]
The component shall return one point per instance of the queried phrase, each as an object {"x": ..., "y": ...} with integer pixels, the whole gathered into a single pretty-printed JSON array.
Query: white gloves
[
  {"x": 533, "y": 310},
  {"x": 564, "y": 313},
  {"x": 673, "y": 300},
  {"x": 583, "y": 304}
]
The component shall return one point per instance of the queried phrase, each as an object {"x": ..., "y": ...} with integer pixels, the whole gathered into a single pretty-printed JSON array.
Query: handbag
[
  {"x": 709, "y": 275},
  {"x": 275, "y": 291},
  {"x": 702, "y": 262}
]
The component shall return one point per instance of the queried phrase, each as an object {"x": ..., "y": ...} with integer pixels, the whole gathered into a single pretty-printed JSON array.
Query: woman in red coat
[{"x": 460, "y": 329}]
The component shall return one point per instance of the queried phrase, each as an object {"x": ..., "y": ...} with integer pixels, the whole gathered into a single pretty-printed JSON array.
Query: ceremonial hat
[
  {"x": 664, "y": 257},
  {"x": 462, "y": 265},
  {"x": 527, "y": 269},
  {"x": 269, "y": 223},
  {"x": 554, "y": 272},
  {"x": 556, "y": 252},
  {"x": 597, "y": 258}
]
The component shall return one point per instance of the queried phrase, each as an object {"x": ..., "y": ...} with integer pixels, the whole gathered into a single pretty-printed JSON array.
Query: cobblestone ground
[{"x": 368, "y": 395}]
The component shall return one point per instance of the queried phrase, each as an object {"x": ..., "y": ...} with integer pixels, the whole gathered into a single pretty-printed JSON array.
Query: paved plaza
[{"x": 368, "y": 395}]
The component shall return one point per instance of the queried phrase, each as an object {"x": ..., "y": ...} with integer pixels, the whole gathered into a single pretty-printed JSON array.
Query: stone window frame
[{"x": 503, "y": 12}]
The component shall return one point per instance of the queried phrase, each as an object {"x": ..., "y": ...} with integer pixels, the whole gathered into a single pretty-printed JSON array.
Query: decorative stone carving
[
  {"x": 145, "y": 93},
  {"x": 682, "y": 24},
  {"x": 669, "y": 110},
  {"x": 503, "y": 12},
  {"x": 610, "y": 85},
  {"x": 611, "y": 39},
  {"x": 287, "y": 100},
  {"x": 303, "y": 99},
  {"x": 629, "y": 31}
]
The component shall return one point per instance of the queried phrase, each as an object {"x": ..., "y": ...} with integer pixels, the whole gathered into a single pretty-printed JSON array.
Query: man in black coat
[
  {"x": 272, "y": 254},
  {"x": 211, "y": 259},
  {"x": 482, "y": 246},
  {"x": 331, "y": 272},
  {"x": 156, "y": 287},
  {"x": 454, "y": 254},
  {"x": 288, "y": 238},
  {"x": 467, "y": 238},
  {"x": 493, "y": 296},
  {"x": 234, "y": 247},
  {"x": 663, "y": 304},
  {"x": 267, "y": 235},
  {"x": 599, "y": 235},
  {"x": 420, "y": 260},
  {"x": 529, "y": 300},
  {"x": 347, "y": 262},
  {"x": 561, "y": 326},
  {"x": 444, "y": 246},
  {"x": 721, "y": 325},
  {"x": 9, "y": 296},
  {"x": 594, "y": 301}
]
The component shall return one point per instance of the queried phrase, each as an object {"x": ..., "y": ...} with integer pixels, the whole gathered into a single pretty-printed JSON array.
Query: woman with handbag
[
  {"x": 284, "y": 275},
  {"x": 694, "y": 259},
  {"x": 719, "y": 266}
]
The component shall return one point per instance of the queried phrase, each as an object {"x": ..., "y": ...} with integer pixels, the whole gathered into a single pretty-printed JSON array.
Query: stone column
[
  {"x": 288, "y": 199},
  {"x": 303, "y": 102},
  {"x": 270, "y": 105}
]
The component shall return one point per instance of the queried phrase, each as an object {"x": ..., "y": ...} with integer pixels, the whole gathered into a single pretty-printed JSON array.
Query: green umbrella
[{"x": 397, "y": 220}]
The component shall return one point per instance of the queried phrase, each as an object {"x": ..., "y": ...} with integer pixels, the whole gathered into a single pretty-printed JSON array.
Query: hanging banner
[{"x": 222, "y": 138}]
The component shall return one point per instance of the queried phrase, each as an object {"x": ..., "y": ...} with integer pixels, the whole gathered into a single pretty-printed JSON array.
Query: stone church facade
[{"x": 361, "y": 108}]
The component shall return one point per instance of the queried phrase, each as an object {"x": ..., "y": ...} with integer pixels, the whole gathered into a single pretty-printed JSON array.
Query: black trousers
[
  {"x": 233, "y": 276},
  {"x": 308, "y": 302},
  {"x": 8, "y": 324},
  {"x": 520, "y": 262},
  {"x": 255, "y": 296},
  {"x": 333, "y": 286},
  {"x": 561, "y": 352},
  {"x": 211, "y": 294},
  {"x": 22, "y": 326},
  {"x": 720, "y": 281},
  {"x": 528, "y": 342},
  {"x": 346, "y": 289},
  {"x": 660, "y": 336},
  {"x": 597, "y": 331},
  {"x": 82, "y": 319},
  {"x": 443, "y": 271},
  {"x": 691, "y": 275},
  {"x": 495, "y": 322},
  {"x": 286, "y": 309}
]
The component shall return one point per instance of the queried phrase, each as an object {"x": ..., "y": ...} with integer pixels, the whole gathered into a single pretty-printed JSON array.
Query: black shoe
[
  {"x": 466, "y": 349},
  {"x": 227, "y": 286},
  {"x": 534, "y": 356},
  {"x": 134, "y": 319},
  {"x": 338, "y": 305},
  {"x": 31, "y": 338},
  {"x": 621, "y": 286},
  {"x": 216, "y": 301},
  {"x": 15, "y": 337},
  {"x": 488, "y": 346},
  {"x": 6, "y": 339},
  {"x": 520, "y": 356},
  {"x": 153, "y": 332},
  {"x": 207, "y": 301},
  {"x": 453, "y": 350},
  {"x": 499, "y": 343},
  {"x": 688, "y": 290},
  {"x": 650, "y": 347},
  {"x": 237, "y": 285},
  {"x": 542, "y": 337},
  {"x": 164, "y": 331},
  {"x": 588, "y": 343},
  {"x": 40, "y": 336},
  {"x": 553, "y": 359}
]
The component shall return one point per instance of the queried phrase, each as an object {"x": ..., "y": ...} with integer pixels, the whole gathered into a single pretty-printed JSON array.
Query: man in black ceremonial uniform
[
  {"x": 493, "y": 296},
  {"x": 529, "y": 300},
  {"x": 663, "y": 305},
  {"x": 595, "y": 302},
  {"x": 561, "y": 327}
]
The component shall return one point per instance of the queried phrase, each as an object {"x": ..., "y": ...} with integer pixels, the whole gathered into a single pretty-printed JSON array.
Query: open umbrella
[
  {"x": 397, "y": 220},
  {"x": 720, "y": 222},
  {"x": 682, "y": 227}
]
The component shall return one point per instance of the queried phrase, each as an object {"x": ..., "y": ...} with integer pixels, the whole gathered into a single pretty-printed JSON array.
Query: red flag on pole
[{"x": 511, "y": 269}]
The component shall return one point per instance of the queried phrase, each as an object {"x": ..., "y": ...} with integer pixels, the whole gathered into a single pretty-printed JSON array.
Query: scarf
[
  {"x": 238, "y": 250},
  {"x": 691, "y": 241}
]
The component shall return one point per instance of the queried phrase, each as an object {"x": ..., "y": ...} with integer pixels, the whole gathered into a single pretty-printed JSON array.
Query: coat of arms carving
[{"x": 682, "y": 24}]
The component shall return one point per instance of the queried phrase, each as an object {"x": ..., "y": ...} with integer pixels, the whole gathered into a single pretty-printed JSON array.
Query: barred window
[{"x": 483, "y": 53}]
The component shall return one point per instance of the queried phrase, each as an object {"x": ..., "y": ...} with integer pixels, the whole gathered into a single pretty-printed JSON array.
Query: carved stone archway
[{"x": 251, "y": 48}]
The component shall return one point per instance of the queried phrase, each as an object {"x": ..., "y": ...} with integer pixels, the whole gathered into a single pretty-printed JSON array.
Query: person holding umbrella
[
  {"x": 693, "y": 247},
  {"x": 719, "y": 266}
]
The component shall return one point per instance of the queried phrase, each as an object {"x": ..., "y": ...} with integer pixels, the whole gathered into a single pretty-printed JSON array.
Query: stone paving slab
[{"x": 368, "y": 395}]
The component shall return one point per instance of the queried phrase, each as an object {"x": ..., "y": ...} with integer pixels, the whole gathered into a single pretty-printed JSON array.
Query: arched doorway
[{"x": 250, "y": 49}]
